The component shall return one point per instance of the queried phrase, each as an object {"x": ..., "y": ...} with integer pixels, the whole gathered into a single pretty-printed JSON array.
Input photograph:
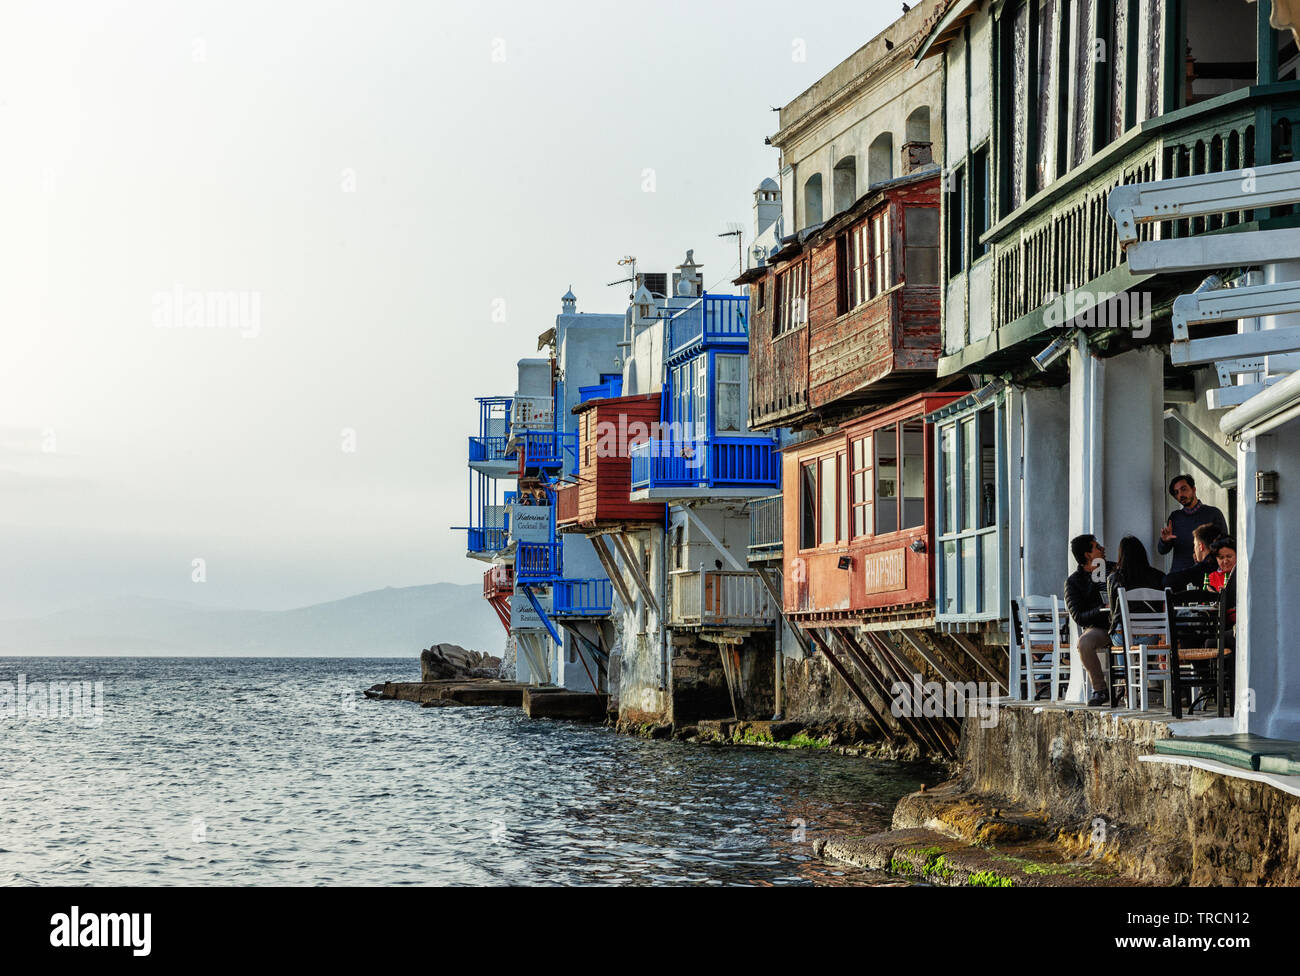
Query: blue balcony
[
  {"x": 748, "y": 465},
  {"x": 489, "y": 451},
  {"x": 713, "y": 320},
  {"x": 603, "y": 391},
  {"x": 582, "y": 598},
  {"x": 486, "y": 540},
  {"x": 545, "y": 449},
  {"x": 539, "y": 561}
]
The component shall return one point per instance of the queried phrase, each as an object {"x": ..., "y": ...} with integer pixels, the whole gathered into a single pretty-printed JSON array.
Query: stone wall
[{"x": 1160, "y": 822}]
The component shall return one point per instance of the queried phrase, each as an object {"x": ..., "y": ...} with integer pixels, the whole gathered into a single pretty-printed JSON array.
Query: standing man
[
  {"x": 1083, "y": 599},
  {"x": 1177, "y": 535}
]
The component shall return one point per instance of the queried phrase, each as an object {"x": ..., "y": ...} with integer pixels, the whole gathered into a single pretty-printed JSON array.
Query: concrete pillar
[
  {"x": 1044, "y": 493},
  {"x": 1116, "y": 453}
]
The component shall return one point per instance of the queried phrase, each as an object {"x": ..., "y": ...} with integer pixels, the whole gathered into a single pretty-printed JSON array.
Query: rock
[{"x": 443, "y": 662}]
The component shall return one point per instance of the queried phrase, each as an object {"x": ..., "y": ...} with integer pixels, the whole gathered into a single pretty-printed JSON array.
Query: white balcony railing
[
  {"x": 532, "y": 413},
  {"x": 720, "y": 598}
]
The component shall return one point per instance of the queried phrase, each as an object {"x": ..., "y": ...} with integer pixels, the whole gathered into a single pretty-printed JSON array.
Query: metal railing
[
  {"x": 711, "y": 318},
  {"x": 489, "y": 449},
  {"x": 741, "y": 462},
  {"x": 582, "y": 597},
  {"x": 486, "y": 540},
  {"x": 602, "y": 391},
  {"x": 539, "y": 561},
  {"x": 499, "y": 581},
  {"x": 766, "y": 527},
  {"x": 532, "y": 413},
  {"x": 720, "y": 598},
  {"x": 548, "y": 448}
]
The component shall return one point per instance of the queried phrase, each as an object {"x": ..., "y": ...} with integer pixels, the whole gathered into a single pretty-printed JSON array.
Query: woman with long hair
[{"x": 1133, "y": 571}]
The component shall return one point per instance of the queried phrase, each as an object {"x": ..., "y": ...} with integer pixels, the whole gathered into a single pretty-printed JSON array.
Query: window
[
  {"x": 812, "y": 200},
  {"x": 970, "y": 573},
  {"x": 854, "y": 254},
  {"x": 956, "y": 223},
  {"x": 881, "y": 268},
  {"x": 791, "y": 299},
  {"x": 701, "y": 416},
  {"x": 886, "y": 481},
  {"x": 808, "y": 506},
  {"x": 846, "y": 183},
  {"x": 981, "y": 211},
  {"x": 921, "y": 224},
  {"x": 1044, "y": 168},
  {"x": 762, "y": 295},
  {"x": 912, "y": 434},
  {"x": 728, "y": 398},
  {"x": 827, "y": 528},
  {"x": 861, "y": 487}
]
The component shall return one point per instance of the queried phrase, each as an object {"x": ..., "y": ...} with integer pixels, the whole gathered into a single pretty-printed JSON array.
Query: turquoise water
[{"x": 277, "y": 771}]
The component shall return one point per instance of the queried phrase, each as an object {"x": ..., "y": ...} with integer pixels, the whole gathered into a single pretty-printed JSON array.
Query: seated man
[
  {"x": 1198, "y": 574},
  {"x": 1083, "y": 601}
]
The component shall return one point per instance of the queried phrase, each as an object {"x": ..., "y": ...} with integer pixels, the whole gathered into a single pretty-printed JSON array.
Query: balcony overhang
[{"x": 678, "y": 493}]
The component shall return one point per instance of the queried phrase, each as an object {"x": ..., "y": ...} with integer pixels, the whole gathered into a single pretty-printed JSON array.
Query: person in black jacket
[
  {"x": 1133, "y": 572},
  {"x": 1198, "y": 574},
  {"x": 1083, "y": 601}
]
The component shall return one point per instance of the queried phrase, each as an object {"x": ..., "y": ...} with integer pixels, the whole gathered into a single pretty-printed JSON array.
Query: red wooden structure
[
  {"x": 859, "y": 518},
  {"x": 607, "y": 429},
  {"x": 498, "y": 585},
  {"x": 847, "y": 317}
]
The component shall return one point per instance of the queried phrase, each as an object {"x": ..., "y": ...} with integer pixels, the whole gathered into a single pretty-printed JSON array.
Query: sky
[{"x": 250, "y": 255}]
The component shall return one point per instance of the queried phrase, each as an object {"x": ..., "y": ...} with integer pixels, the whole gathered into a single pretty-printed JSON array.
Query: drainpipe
[{"x": 663, "y": 610}]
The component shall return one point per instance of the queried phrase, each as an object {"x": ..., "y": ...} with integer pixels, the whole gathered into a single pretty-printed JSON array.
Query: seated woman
[
  {"x": 1224, "y": 579},
  {"x": 1133, "y": 572}
]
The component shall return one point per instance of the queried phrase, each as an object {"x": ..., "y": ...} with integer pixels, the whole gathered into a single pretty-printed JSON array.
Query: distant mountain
[{"x": 392, "y": 622}]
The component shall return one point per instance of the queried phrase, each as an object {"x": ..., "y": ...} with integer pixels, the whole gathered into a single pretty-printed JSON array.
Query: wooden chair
[
  {"x": 1144, "y": 613},
  {"x": 1039, "y": 652}
]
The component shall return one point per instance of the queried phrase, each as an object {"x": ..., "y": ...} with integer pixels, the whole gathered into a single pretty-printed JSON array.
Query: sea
[{"x": 278, "y": 771}]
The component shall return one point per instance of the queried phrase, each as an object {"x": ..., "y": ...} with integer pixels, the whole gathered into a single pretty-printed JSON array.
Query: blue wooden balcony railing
[
  {"x": 539, "y": 561},
  {"x": 548, "y": 448},
  {"x": 489, "y": 449},
  {"x": 486, "y": 540},
  {"x": 582, "y": 597},
  {"x": 602, "y": 391},
  {"x": 733, "y": 462},
  {"x": 710, "y": 319}
]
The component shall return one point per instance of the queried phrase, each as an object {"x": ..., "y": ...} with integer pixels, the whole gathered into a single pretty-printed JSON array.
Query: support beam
[
  {"x": 537, "y": 606},
  {"x": 922, "y": 731},
  {"x": 1209, "y": 252},
  {"x": 633, "y": 566},
  {"x": 1265, "y": 342},
  {"x": 932, "y": 659},
  {"x": 610, "y": 566},
  {"x": 697, "y": 523},
  {"x": 854, "y": 687},
  {"x": 967, "y": 645}
]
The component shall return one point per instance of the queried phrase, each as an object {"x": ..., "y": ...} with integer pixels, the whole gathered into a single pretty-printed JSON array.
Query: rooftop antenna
[
  {"x": 737, "y": 231},
  {"x": 623, "y": 263}
]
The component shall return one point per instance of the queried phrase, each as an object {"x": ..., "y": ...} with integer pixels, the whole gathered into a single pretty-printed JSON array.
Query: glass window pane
[
  {"x": 992, "y": 574},
  {"x": 970, "y": 480},
  {"x": 970, "y": 576},
  {"x": 988, "y": 468},
  {"x": 886, "y": 481},
  {"x": 846, "y": 503},
  {"x": 913, "y": 474},
  {"x": 808, "y": 507},
  {"x": 950, "y": 577},
  {"x": 948, "y": 442},
  {"x": 829, "y": 485},
  {"x": 727, "y": 403}
]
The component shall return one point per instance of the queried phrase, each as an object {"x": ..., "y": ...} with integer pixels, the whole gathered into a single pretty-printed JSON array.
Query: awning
[{"x": 948, "y": 25}]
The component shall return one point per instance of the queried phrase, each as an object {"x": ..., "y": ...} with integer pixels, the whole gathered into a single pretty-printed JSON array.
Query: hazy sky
[{"x": 365, "y": 179}]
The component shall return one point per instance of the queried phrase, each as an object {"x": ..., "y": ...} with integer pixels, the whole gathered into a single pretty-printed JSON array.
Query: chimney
[{"x": 917, "y": 155}]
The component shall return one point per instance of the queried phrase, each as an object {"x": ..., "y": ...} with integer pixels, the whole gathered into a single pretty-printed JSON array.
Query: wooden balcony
[
  {"x": 607, "y": 430},
  {"x": 585, "y": 598},
  {"x": 848, "y": 353},
  {"x": 710, "y": 320},
  {"x": 720, "y": 598},
  {"x": 538, "y": 561},
  {"x": 735, "y": 466}
]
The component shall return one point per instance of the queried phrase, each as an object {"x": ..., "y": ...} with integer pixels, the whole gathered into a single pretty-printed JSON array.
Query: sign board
[
  {"x": 530, "y": 523},
  {"x": 522, "y": 614},
  {"x": 884, "y": 571}
]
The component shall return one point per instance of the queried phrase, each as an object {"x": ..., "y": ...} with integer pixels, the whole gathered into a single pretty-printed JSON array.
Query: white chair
[
  {"x": 1144, "y": 614},
  {"x": 1038, "y": 632}
]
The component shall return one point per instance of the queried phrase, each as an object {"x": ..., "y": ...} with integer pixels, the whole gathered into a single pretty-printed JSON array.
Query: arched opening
[
  {"x": 846, "y": 183},
  {"x": 918, "y": 125},
  {"x": 812, "y": 200},
  {"x": 880, "y": 159}
]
